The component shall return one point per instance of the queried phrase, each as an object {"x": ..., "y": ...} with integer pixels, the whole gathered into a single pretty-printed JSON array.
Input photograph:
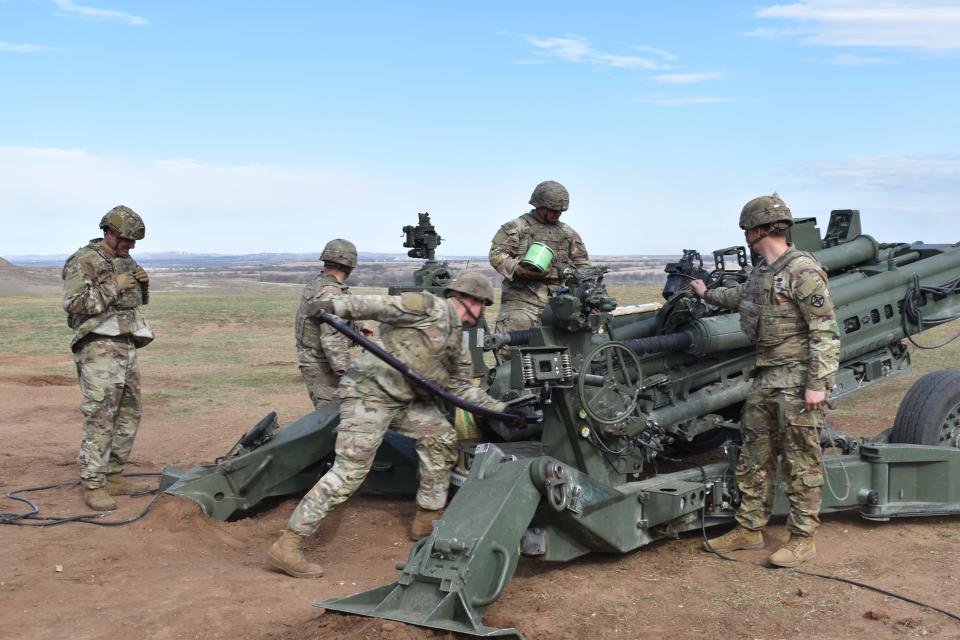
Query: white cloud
[
  {"x": 929, "y": 173},
  {"x": 93, "y": 13},
  {"x": 666, "y": 55},
  {"x": 12, "y": 47},
  {"x": 931, "y": 25},
  {"x": 854, "y": 60},
  {"x": 680, "y": 101},
  {"x": 191, "y": 205},
  {"x": 575, "y": 49},
  {"x": 687, "y": 78}
]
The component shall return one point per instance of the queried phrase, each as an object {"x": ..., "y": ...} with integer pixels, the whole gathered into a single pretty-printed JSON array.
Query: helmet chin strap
[
  {"x": 466, "y": 307},
  {"x": 763, "y": 234}
]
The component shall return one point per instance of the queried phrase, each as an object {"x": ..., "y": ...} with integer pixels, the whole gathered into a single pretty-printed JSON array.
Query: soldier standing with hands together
[{"x": 103, "y": 290}]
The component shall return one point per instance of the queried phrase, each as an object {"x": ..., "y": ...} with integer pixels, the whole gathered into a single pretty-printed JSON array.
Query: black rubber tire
[{"x": 930, "y": 412}]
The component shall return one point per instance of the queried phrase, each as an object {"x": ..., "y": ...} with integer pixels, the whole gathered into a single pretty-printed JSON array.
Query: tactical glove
[
  {"x": 141, "y": 276},
  {"x": 124, "y": 281},
  {"x": 530, "y": 274}
]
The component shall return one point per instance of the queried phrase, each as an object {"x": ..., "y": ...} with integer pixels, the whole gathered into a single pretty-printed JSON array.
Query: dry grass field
[{"x": 223, "y": 357}]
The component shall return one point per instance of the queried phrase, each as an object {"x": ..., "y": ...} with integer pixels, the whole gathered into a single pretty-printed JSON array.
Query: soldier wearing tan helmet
[
  {"x": 103, "y": 290},
  {"x": 425, "y": 332},
  {"x": 323, "y": 353},
  {"x": 785, "y": 309},
  {"x": 525, "y": 289}
]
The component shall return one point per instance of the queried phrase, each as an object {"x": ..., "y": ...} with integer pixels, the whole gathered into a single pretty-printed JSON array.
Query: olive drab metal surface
[{"x": 617, "y": 392}]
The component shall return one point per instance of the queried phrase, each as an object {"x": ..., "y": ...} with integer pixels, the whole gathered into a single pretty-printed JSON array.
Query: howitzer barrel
[
  {"x": 868, "y": 306},
  {"x": 894, "y": 283},
  {"x": 870, "y": 310},
  {"x": 863, "y": 249}
]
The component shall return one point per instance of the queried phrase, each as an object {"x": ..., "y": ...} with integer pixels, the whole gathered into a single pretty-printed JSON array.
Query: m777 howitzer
[{"x": 617, "y": 392}]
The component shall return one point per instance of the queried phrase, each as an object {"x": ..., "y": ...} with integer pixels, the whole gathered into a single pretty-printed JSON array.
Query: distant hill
[
  {"x": 178, "y": 259},
  {"x": 4, "y": 263}
]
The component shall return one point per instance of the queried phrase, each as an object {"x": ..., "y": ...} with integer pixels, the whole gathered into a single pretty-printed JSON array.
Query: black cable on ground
[
  {"x": 33, "y": 519},
  {"x": 825, "y": 576},
  {"x": 879, "y": 590}
]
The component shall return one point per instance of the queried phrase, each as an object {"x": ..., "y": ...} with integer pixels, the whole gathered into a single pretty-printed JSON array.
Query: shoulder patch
[
  {"x": 502, "y": 235},
  {"x": 414, "y": 301},
  {"x": 810, "y": 284}
]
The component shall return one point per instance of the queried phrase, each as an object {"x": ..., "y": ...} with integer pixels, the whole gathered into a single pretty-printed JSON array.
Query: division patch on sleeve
[{"x": 413, "y": 301}]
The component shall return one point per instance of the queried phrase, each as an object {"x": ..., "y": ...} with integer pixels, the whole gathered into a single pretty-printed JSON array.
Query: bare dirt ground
[{"x": 177, "y": 574}]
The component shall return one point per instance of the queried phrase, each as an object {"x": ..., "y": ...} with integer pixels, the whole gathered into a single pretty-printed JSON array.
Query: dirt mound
[
  {"x": 49, "y": 381},
  {"x": 347, "y": 627},
  {"x": 4, "y": 264}
]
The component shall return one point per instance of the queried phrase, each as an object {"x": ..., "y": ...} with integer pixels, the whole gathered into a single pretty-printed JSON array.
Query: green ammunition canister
[{"x": 538, "y": 256}]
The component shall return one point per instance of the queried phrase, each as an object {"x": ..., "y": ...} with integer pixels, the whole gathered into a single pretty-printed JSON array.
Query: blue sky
[{"x": 249, "y": 126}]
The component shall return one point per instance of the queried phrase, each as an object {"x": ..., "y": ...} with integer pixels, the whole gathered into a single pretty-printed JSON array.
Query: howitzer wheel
[
  {"x": 616, "y": 397},
  {"x": 930, "y": 412}
]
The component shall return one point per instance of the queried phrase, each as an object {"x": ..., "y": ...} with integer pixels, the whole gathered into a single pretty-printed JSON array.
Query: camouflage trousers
[
  {"x": 110, "y": 382},
  {"x": 516, "y": 315},
  {"x": 774, "y": 426},
  {"x": 321, "y": 383},
  {"x": 363, "y": 422}
]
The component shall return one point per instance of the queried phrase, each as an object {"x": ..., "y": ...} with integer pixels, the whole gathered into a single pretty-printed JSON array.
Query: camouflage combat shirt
[
  {"x": 424, "y": 332},
  {"x": 510, "y": 244},
  {"x": 786, "y": 310},
  {"x": 319, "y": 344},
  {"x": 93, "y": 302}
]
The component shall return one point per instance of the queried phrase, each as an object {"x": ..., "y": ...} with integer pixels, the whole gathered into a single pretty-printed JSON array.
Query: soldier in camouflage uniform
[
  {"x": 103, "y": 290},
  {"x": 425, "y": 332},
  {"x": 324, "y": 353},
  {"x": 785, "y": 309},
  {"x": 525, "y": 289}
]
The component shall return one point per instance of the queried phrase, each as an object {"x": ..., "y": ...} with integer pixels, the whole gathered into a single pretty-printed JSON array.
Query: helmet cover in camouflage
[
  {"x": 765, "y": 210},
  {"x": 550, "y": 195},
  {"x": 340, "y": 251},
  {"x": 125, "y": 222},
  {"x": 473, "y": 284}
]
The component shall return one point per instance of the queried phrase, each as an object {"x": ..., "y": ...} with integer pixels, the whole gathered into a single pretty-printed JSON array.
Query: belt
[{"x": 90, "y": 337}]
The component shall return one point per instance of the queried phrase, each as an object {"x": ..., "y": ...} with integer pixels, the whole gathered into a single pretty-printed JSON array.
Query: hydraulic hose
[{"x": 416, "y": 378}]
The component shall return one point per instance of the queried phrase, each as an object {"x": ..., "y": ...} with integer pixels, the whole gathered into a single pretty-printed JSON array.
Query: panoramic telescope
[{"x": 616, "y": 392}]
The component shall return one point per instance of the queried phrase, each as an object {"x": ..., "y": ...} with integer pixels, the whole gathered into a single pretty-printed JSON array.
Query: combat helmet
[
  {"x": 340, "y": 251},
  {"x": 551, "y": 195},
  {"x": 125, "y": 222},
  {"x": 473, "y": 284},
  {"x": 766, "y": 210}
]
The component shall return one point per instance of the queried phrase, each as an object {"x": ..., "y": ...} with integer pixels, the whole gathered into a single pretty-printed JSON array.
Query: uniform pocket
[
  {"x": 778, "y": 324},
  {"x": 91, "y": 390},
  {"x": 813, "y": 480}
]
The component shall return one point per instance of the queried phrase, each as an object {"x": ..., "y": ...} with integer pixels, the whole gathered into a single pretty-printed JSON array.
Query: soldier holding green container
[{"x": 529, "y": 253}]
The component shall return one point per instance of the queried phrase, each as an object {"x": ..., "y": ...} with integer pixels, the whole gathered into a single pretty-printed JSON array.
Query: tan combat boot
[
  {"x": 99, "y": 500},
  {"x": 422, "y": 524},
  {"x": 735, "y": 539},
  {"x": 795, "y": 552},
  {"x": 285, "y": 555},
  {"x": 117, "y": 485}
]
